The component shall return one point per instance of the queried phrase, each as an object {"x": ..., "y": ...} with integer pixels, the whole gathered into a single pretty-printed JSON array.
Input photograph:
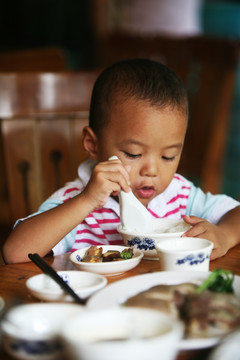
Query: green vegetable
[
  {"x": 219, "y": 280},
  {"x": 126, "y": 254}
]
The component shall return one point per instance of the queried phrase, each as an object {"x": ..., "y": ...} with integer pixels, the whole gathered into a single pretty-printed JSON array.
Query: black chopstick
[{"x": 47, "y": 269}]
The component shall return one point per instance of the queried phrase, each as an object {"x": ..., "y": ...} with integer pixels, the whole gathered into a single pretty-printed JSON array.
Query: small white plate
[
  {"x": 82, "y": 282},
  {"x": 106, "y": 268},
  {"x": 115, "y": 294}
]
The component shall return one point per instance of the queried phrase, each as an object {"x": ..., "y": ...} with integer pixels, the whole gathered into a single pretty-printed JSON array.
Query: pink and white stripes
[{"x": 100, "y": 227}]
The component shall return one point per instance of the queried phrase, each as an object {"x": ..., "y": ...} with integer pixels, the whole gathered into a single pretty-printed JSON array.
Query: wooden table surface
[{"x": 13, "y": 278}]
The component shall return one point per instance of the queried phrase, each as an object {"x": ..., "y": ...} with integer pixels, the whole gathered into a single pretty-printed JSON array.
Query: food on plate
[
  {"x": 218, "y": 281},
  {"x": 205, "y": 313},
  {"x": 161, "y": 297},
  {"x": 209, "y": 313},
  {"x": 95, "y": 254}
]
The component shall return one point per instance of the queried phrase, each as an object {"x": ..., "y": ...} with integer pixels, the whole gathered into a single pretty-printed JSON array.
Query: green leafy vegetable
[
  {"x": 126, "y": 254},
  {"x": 219, "y": 280}
]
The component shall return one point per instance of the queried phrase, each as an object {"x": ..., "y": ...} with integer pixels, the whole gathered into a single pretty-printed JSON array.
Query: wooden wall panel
[
  {"x": 23, "y": 171},
  {"x": 42, "y": 154}
]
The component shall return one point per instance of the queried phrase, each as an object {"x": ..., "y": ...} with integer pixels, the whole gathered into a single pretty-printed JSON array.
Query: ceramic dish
[
  {"x": 115, "y": 294},
  {"x": 106, "y": 268},
  {"x": 31, "y": 331},
  {"x": 122, "y": 332},
  {"x": 184, "y": 254},
  {"x": 82, "y": 282},
  {"x": 146, "y": 242}
]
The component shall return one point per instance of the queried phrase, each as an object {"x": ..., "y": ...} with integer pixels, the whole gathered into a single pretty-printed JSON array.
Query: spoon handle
[{"x": 47, "y": 269}]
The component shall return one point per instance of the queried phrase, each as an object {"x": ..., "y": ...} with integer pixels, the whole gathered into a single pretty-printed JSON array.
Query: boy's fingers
[
  {"x": 127, "y": 167},
  {"x": 196, "y": 230},
  {"x": 115, "y": 180},
  {"x": 191, "y": 220}
]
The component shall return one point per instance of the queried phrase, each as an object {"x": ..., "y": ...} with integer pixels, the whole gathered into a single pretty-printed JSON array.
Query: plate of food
[
  {"x": 106, "y": 259},
  {"x": 192, "y": 297}
]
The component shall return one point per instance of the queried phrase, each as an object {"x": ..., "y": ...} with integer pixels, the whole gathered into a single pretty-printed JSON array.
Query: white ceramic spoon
[{"x": 133, "y": 214}]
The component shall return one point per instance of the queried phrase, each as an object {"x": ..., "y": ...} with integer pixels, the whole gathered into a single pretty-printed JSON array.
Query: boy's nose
[{"x": 149, "y": 168}]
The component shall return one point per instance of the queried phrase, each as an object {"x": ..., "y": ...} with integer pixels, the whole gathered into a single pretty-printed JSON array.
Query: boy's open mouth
[{"x": 146, "y": 192}]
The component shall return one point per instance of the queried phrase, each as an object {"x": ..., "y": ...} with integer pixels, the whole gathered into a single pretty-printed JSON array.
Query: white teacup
[{"x": 187, "y": 253}]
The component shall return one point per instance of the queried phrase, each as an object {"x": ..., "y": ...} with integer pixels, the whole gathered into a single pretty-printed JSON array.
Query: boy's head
[
  {"x": 140, "y": 79},
  {"x": 139, "y": 113}
]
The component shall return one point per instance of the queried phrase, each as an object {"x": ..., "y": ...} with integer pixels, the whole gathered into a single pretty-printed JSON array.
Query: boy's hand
[
  {"x": 108, "y": 178},
  {"x": 203, "y": 229}
]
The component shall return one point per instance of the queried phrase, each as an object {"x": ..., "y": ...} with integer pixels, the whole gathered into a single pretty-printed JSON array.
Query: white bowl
[
  {"x": 83, "y": 284},
  {"x": 106, "y": 268},
  {"x": 187, "y": 253},
  {"x": 146, "y": 242},
  {"x": 119, "y": 333},
  {"x": 31, "y": 331}
]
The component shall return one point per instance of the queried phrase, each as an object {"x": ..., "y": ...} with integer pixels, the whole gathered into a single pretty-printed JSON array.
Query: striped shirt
[{"x": 100, "y": 227}]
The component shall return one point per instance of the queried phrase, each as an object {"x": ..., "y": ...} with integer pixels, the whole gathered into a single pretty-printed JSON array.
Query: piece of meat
[
  {"x": 161, "y": 297},
  {"x": 209, "y": 313},
  {"x": 95, "y": 251},
  {"x": 91, "y": 259},
  {"x": 111, "y": 255},
  {"x": 205, "y": 314}
]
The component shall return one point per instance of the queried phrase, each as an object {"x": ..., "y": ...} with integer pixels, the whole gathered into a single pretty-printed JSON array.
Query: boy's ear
[{"x": 90, "y": 143}]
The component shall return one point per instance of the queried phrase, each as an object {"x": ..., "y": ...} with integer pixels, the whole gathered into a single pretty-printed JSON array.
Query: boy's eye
[
  {"x": 132, "y": 156},
  {"x": 168, "y": 158}
]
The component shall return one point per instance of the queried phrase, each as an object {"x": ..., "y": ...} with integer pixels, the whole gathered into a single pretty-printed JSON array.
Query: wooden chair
[
  {"x": 208, "y": 68},
  {"x": 42, "y": 116}
]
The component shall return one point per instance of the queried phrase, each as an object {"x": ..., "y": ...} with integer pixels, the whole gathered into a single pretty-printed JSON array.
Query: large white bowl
[
  {"x": 31, "y": 331},
  {"x": 146, "y": 242},
  {"x": 106, "y": 268},
  {"x": 83, "y": 284},
  {"x": 119, "y": 333},
  {"x": 182, "y": 254}
]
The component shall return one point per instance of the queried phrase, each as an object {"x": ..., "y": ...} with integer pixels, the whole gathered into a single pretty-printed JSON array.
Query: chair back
[{"x": 42, "y": 116}]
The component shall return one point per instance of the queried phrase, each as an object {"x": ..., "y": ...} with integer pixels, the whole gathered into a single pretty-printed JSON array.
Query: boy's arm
[
  {"x": 230, "y": 224},
  {"x": 224, "y": 235},
  {"x": 42, "y": 232}
]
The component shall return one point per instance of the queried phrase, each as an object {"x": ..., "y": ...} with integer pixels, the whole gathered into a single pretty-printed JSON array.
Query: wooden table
[{"x": 13, "y": 278}]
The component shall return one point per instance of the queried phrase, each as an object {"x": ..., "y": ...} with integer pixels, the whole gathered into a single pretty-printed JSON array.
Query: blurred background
[{"x": 77, "y": 28}]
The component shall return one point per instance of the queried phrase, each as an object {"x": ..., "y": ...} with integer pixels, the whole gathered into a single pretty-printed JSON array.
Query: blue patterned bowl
[
  {"x": 183, "y": 254},
  {"x": 31, "y": 331},
  {"x": 163, "y": 229}
]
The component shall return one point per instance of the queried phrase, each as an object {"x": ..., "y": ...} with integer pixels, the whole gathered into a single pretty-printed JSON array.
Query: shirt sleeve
[
  {"x": 208, "y": 206},
  {"x": 67, "y": 242}
]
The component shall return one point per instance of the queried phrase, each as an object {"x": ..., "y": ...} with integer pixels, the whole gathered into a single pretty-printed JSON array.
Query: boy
[{"x": 139, "y": 113}]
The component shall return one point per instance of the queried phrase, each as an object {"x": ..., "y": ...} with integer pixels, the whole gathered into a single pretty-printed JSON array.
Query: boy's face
[{"x": 148, "y": 139}]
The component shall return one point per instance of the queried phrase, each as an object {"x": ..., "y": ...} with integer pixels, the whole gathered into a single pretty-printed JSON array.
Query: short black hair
[{"x": 141, "y": 79}]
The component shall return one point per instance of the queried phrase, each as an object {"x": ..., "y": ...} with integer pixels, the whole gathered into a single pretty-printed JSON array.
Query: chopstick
[{"x": 47, "y": 269}]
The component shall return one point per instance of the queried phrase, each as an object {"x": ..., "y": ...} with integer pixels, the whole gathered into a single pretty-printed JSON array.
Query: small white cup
[{"x": 184, "y": 254}]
